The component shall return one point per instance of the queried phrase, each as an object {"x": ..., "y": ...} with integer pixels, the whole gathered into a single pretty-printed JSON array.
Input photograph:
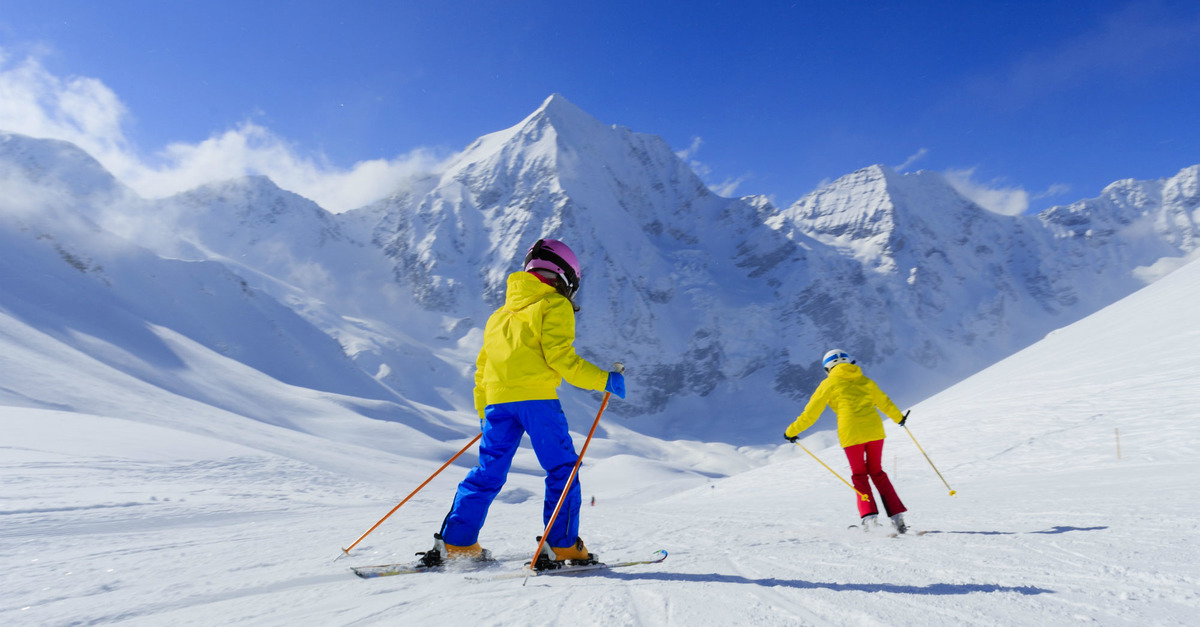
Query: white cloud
[
  {"x": 913, "y": 158},
  {"x": 995, "y": 196},
  {"x": 1009, "y": 201},
  {"x": 691, "y": 150},
  {"x": 88, "y": 114},
  {"x": 79, "y": 110},
  {"x": 252, "y": 149},
  {"x": 726, "y": 188},
  {"x": 1056, "y": 189}
]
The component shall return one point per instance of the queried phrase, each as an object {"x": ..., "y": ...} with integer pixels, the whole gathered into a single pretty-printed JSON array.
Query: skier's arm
[
  {"x": 884, "y": 403},
  {"x": 812, "y": 411},
  {"x": 558, "y": 339}
]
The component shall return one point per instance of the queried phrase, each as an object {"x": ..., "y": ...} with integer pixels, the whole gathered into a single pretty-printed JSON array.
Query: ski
[
  {"x": 388, "y": 570},
  {"x": 910, "y": 532},
  {"x": 890, "y": 534},
  {"x": 566, "y": 569}
]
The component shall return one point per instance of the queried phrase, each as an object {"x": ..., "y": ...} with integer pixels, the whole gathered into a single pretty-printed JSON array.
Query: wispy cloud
[
  {"x": 1009, "y": 201},
  {"x": 1142, "y": 39},
  {"x": 913, "y": 158},
  {"x": 727, "y": 188},
  {"x": 1057, "y": 189},
  {"x": 84, "y": 111},
  {"x": 995, "y": 196},
  {"x": 687, "y": 153}
]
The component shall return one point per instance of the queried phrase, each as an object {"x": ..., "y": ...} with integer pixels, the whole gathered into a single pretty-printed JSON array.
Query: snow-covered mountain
[
  {"x": 1133, "y": 224},
  {"x": 120, "y": 303},
  {"x": 719, "y": 307}
]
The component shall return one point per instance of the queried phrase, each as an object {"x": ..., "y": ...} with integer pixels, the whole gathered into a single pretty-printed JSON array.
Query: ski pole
[
  {"x": 860, "y": 494},
  {"x": 570, "y": 480},
  {"x": 939, "y": 474},
  {"x": 346, "y": 551}
]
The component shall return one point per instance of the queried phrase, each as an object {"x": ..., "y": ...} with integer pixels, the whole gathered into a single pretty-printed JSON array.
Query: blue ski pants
[{"x": 503, "y": 427}]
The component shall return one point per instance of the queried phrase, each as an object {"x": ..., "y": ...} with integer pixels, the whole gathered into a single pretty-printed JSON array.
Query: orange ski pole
[
  {"x": 570, "y": 480},
  {"x": 346, "y": 551}
]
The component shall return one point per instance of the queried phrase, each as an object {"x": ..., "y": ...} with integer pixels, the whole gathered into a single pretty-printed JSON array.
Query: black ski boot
[{"x": 436, "y": 556}]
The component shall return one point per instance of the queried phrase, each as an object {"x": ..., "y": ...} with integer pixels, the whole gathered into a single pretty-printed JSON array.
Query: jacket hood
[
  {"x": 846, "y": 371},
  {"x": 524, "y": 289}
]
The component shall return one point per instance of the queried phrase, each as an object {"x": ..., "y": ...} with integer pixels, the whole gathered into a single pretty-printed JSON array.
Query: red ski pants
[{"x": 866, "y": 467}]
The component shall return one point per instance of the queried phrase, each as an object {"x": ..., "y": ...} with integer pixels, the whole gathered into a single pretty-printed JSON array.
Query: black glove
[
  {"x": 791, "y": 438},
  {"x": 905, "y": 418}
]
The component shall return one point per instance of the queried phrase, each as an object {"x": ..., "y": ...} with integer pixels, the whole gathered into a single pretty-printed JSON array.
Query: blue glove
[
  {"x": 615, "y": 384},
  {"x": 791, "y": 438}
]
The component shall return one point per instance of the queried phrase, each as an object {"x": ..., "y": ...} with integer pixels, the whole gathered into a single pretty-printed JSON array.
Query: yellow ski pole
[
  {"x": 860, "y": 494},
  {"x": 939, "y": 474}
]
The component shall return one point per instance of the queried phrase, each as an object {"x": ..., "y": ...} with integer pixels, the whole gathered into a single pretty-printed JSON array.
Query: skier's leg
[
  {"x": 501, "y": 435},
  {"x": 856, "y": 454},
  {"x": 891, "y": 501},
  {"x": 547, "y": 427}
]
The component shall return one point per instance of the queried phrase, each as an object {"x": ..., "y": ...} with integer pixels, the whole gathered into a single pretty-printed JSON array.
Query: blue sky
[{"x": 1028, "y": 104}]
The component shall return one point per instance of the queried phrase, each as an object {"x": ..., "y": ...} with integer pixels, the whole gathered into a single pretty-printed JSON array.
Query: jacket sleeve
[
  {"x": 884, "y": 403},
  {"x": 480, "y": 390},
  {"x": 558, "y": 347},
  {"x": 812, "y": 411}
]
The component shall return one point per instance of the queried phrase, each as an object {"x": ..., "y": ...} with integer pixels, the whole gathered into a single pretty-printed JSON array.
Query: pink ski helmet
[{"x": 557, "y": 257}]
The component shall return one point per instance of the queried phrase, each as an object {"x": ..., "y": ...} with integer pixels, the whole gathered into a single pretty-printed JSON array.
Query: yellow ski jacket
[
  {"x": 528, "y": 347},
  {"x": 853, "y": 397}
]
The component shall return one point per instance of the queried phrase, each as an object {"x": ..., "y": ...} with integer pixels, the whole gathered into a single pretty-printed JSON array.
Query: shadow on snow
[
  {"x": 937, "y": 589},
  {"x": 1053, "y": 530}
]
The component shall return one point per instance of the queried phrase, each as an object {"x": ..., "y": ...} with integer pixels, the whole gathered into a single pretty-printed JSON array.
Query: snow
[{"x": 152, "y": 509}]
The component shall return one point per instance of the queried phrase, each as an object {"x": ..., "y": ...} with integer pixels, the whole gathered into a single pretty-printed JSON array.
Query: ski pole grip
[{"x": 618, "y": 367}]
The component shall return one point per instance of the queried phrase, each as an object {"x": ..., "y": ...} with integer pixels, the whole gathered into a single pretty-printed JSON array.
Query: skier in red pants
[{"x": 854, "y": 398}]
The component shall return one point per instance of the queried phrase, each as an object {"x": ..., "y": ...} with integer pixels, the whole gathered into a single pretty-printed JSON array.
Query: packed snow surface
[{"x": 130, "y": 505}]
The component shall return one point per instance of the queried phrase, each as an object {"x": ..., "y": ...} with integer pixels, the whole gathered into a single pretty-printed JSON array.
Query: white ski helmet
[{"x": 835, "y": 357}]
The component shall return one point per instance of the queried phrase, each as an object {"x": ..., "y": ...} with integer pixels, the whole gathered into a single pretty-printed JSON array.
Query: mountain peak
[
  {"x": 557, "y": 104},
  {"x": 557, "y": 118},
  {"x": 43, "y": 160},
  {"x": 564, "y": 117}
]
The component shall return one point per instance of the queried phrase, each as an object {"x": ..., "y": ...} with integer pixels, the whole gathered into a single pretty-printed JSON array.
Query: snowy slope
[
  {"x": 207, "y": 518},
  {"x": 68, "y": 277}
]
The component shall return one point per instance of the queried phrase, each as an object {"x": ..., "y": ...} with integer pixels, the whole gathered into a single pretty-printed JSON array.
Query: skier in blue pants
[
  {"x": 503, "y": 426},
  {"x": 528, "y": 350}
]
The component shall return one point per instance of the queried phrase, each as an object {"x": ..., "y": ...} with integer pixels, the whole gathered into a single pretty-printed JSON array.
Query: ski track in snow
[{"x": 1073, "y": 546}]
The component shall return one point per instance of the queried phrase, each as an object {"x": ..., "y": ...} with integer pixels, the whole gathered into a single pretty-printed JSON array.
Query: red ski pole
[{"x": 346, "y": 551}]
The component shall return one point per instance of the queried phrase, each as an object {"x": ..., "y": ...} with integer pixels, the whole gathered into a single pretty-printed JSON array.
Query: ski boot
[
  {"x": 556, "y": 557},
  {"x": 898, "y": 523},
  {"x": 869, "y": 522},
  {"x": 433, "y": 557},
  {"x": 442, "y": 552}
]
